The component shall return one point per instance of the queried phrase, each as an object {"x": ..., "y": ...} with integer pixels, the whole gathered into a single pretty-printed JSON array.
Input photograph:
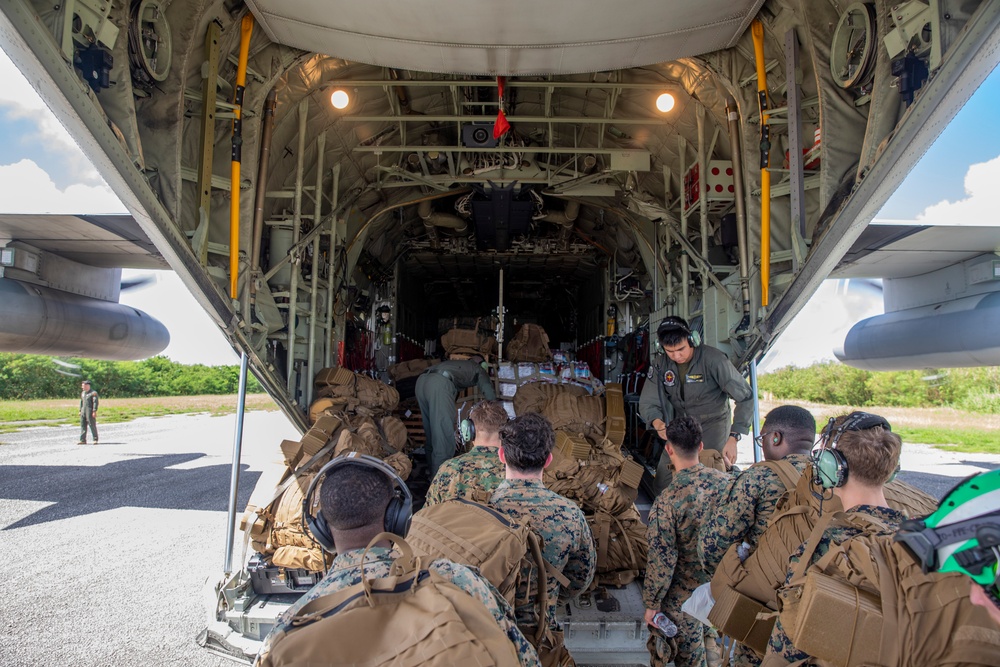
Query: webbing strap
[
  {"x": 889, "y": 648},
  {"x": 604, "y": 533},
  {"x": 628, "y": 543},
  {"x": 786, "y": 472},
  {"x": 798, "y": 572}
]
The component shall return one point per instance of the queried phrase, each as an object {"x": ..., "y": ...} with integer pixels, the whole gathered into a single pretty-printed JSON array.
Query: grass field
[
  {"x": 15, "y": 415},
  {"x": 947, "y": 428},
  {"x": 943, "y": 427}
]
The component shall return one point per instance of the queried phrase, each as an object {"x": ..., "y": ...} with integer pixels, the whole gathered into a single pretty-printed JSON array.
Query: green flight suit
[
  {"x": 88, "y": 414},
  {"x": 703, "y": 393},
  {"x": 437, "y": 388}
]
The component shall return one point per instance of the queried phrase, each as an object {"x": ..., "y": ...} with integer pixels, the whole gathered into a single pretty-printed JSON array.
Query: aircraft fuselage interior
[{"x": 335, "y": 181}]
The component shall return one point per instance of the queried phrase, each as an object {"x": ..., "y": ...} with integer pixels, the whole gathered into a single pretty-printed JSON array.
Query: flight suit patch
[
  {"x": 669, "y": 378},
  {"x": 695, "y": 378}
]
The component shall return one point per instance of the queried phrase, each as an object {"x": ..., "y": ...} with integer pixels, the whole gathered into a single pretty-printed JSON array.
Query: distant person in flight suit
[
  {"x": 437, "y": 388},
  {"x": 694, "y": 380},
  {"x": 88, "y": 412}
]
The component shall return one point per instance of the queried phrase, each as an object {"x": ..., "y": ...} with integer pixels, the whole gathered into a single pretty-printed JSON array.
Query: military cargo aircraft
[{"x": 331, "y": 178}]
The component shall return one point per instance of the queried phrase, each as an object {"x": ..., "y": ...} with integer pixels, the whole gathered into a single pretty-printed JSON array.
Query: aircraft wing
[
  {"x": 941, "y": 291},
  {"x": 106, "y": 241},
  {"x": 60, "y": 277}
]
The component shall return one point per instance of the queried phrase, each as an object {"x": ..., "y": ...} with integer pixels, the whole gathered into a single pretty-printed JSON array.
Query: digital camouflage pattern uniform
[
  {"x": 780, "y": 646},
  {"x": 674, "y": 569},
  {"x": 436, "y": 390},
  {"x": 567, "y": 541},
  {"x": 703, "y": 393},
  {"x": 478, "y": 470},
  {"x": 743, "y": 511},
  {"x": 346, "y": 572}
]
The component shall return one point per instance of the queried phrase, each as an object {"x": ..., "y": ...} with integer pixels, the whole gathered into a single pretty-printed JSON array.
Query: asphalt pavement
[{"x": 107, "y": 548}]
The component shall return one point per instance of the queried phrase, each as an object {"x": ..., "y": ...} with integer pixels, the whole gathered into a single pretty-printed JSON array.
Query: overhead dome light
[
  {"x": 340, "y": 99},
  {"x": 665, "y": 102}
]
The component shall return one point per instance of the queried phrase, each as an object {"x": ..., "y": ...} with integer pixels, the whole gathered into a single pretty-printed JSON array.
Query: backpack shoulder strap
[{"x": 785, "y": 471}]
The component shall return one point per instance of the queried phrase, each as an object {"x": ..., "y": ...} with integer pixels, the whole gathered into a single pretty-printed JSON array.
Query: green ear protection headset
[
  {"x": 963, "y": 534},
  {"x": 830, "y": 468},
  {"x": 467, "y": 429},
  {"x": 674, "y": 323}
]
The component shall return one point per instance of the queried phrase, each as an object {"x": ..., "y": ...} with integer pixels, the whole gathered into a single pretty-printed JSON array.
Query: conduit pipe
[
  {"x": 334, "y": 206},
  {"x": 267, "y": 131},
  {"x": 757, "y": 29},
  {"x": 246, "y": 30},
  {"x": 293, "y": 300},
  {"x": 314, "y": 279},
  {"x": 565, "y": 219},
  {"x": 733, "y": 115},
  {"x": 433, "y": 219}
]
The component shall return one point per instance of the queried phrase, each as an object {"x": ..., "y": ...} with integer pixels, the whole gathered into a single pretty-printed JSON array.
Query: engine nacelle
[
  {"x": 41, "y": 320},
  {"x": 946, "y": 335}
]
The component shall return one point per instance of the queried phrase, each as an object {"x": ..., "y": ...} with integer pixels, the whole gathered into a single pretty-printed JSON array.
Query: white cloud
[
  {"x": 27, "y": 188},
  {"x": 981, "y": 205},
  {"x": 22, "y": 103}
]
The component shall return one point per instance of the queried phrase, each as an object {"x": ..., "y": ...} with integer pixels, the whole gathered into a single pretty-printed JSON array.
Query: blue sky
[{"x": 42, "y": 170}]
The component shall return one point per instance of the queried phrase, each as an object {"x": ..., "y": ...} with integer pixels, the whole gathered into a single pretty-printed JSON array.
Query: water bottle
[{"x": 664, "y": 624}]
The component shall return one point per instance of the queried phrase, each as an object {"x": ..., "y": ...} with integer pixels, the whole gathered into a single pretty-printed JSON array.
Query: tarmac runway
[{"x": 107, "y": 548}]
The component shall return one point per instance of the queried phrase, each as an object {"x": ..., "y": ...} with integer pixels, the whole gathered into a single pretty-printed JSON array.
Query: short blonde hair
[
  {"x": 872, "y": 454},
  {"x": 489, "y": 416}
]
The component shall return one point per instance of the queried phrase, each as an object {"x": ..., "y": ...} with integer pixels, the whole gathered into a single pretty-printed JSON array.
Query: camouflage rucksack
[
  {"x": 412, "y": 617},
  {"x": 867, "y": 601}
]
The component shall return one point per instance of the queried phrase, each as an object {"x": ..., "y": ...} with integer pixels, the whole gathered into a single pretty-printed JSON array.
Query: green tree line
[
  {"x": 972, "y": 389},
  {"x": 29, "y": 377}
]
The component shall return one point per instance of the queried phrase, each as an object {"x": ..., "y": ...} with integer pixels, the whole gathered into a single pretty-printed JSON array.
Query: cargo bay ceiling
[{"x": 592, "y": 182}]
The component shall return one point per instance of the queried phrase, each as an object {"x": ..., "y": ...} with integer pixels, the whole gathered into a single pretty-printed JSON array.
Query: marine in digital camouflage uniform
[
  {"x": 354, "y": 498},
  {"x": 476, "y": 474},
  {"x": 346, "y": 572},
  {"x": 745, "y": 507},
  {"x": 870, "y": 451},
  {"x": 780, "y": 646},
  {"x": 567, "y": 541},
  {"x": 674, "y": 569}
]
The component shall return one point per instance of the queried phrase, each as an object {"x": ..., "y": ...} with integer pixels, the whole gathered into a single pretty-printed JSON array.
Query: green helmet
[{"x": 963, "y": 535}]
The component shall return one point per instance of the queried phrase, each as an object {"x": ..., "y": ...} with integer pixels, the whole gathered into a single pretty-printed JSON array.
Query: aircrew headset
[
  {"x": 829, "y": 465},
  {"x": 397, "y": 513},
  {"x": 674, "y": 323},
  {"x": 467, "y": 429}
]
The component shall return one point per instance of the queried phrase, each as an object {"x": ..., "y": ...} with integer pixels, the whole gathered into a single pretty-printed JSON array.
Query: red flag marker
[{"x": 501, "y": 125}]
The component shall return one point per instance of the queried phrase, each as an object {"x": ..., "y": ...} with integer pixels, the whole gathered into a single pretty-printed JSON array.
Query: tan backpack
[
  {"x": 744, "y": 591},
  {"x": 530, "y": 343},
  {"x": 475, "y": 534},
  {"x": 357, "y": 390},
  {"x": 868, "y": 602},
  {"x": 532, "y": 396},
  {"x": 576, "y": 414},
  {"x": 621, "y": 544},
  {"x": 412, "y": 617}
]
